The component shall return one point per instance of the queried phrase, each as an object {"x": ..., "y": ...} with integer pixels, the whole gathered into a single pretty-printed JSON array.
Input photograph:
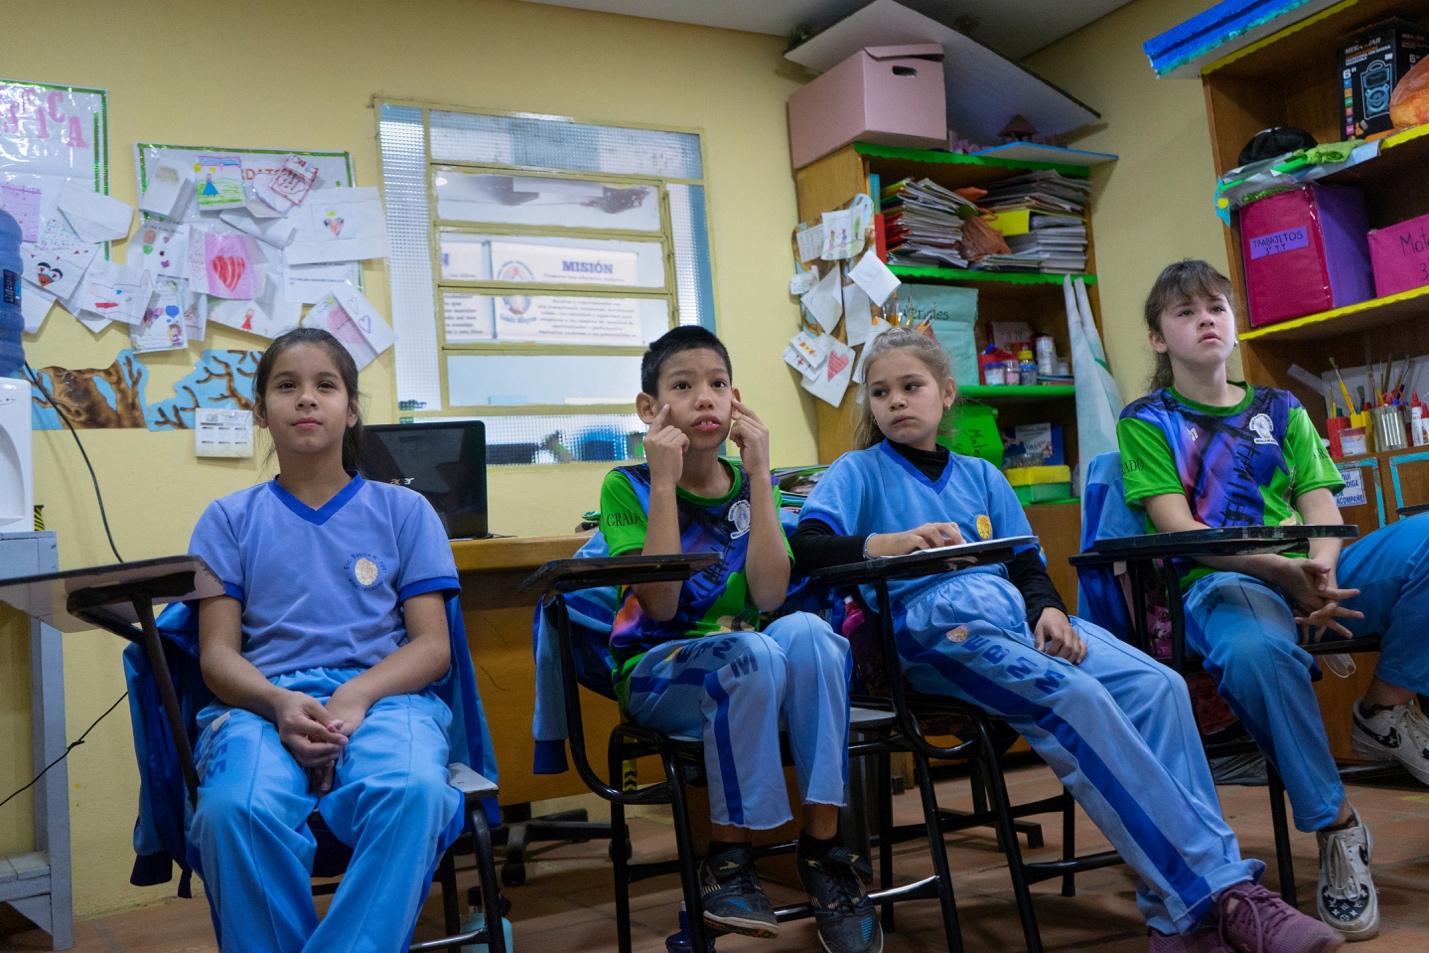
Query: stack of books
[
  {"x": 924, "y": 223},
  {"x": 1041, "y": 216}
]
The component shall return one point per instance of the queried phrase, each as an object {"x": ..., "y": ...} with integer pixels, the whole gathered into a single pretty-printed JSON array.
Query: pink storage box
[
  {"x": 1305, "y": 251},
  {"x": 1400, "y": 256},
  {"x": 892, "y": 95}
]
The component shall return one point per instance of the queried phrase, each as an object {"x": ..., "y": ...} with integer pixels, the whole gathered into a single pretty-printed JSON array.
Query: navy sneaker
[
  {"x": 835, "y": 879},
  {"x": 734, "y": 901}
]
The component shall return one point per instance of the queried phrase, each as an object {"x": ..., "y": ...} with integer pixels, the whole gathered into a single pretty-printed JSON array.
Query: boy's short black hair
[{"x": 686, "y": 337}]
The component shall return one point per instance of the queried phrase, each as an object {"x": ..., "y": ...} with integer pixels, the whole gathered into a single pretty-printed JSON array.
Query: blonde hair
[{"x": 924, "y": 347}]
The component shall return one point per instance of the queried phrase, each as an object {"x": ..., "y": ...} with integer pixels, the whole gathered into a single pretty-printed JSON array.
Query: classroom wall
[
  {"x": 271, "y": 74},
  {"x": 1152, "y": 206}
]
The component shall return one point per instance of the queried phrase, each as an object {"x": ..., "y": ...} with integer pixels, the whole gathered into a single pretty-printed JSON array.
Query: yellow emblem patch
[
  {"x": 984, "y": 526},
  {"x": 960, "y": 634}
]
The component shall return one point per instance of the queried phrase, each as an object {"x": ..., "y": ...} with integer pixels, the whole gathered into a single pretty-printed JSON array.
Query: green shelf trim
[
  {"x": 1019, "y": 391},
  {"x": 932, "y": 273},
  {"x": 933, "y": 157}
]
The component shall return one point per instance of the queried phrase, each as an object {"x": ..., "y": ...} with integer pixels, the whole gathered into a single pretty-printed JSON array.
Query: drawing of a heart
[
  {"x": 334, "y": 223},
  {"x": 837, "y": 362},
  {"x": 228, "y": 269}
]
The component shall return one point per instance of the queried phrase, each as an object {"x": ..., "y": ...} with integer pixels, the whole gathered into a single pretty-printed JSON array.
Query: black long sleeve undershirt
[{"x": 816, "y": 545}]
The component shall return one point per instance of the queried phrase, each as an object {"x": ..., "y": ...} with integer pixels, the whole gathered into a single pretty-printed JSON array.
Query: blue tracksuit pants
[
  {"x": 1117, "y": 730},
  {"x": 1245, "y": 630},
  {"x": 390, "y": 802},
  {"x": 734, "y": 689}
]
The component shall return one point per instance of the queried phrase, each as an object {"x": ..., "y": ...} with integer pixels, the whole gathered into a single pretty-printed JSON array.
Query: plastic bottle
[
  {"x": 1046, "y": 349},
  {"x": 1028, "y": 366},
  {"x": 680, "y": 942},
  {"x": 12, "y": 321},
  {"x": 1416, "y": 421},
  {"x": 853, "y": 618}
]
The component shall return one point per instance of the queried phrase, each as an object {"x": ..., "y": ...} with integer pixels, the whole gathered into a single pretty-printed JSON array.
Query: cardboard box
[
  {"x": 892, "y": 95},
  {"x": 1400, "y": 256},
  {"x": 1305, "y": 251},
  {"x": 1372, "y": 61}
]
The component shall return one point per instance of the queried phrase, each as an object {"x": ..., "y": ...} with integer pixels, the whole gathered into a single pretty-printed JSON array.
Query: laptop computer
[{"x": 443, "y": 461}]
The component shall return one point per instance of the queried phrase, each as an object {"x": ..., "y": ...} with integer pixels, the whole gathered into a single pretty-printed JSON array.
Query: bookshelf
[
  {"x": 1034, "y": 298},
  {"x": 1292, "y": 78}
]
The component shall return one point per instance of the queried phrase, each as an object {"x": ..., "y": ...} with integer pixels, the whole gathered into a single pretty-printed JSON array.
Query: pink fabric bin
[
  {"x": 1305, "y": 251},
  {"x": 1400, "y": 256},
  {"x": 892, "y": 95}
]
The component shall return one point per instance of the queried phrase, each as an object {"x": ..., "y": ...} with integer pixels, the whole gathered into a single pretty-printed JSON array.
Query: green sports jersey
[{"x": 1244, "y": 465}]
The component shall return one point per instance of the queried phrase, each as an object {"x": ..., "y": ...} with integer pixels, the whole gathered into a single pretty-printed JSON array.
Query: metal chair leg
[
  {"x": 490, "y": 886},
  {"x": 1285, "y": 862},
  {"x": 1002, "y": 808},
  {"x": 923, "y": 775},
  {"x": 685, "y": 849},
  {"x": 451, "y": 909},
  {"x": 884, "y": 795},
  {"x": 1069, "y": 842},
  {"x": 619, "y": 860}
]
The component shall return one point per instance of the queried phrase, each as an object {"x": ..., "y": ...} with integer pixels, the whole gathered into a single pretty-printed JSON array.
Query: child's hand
[
  {"x": 665, "y": 448},
  {"x": 927, "y": 536},
  {"x": 346, "y": 710},
  {"x": 303, "y": 727},
  {"x": 749, "y": 434},
  {"x": 1317, "y": 599},
  {"x": 1056, "y": 637}
]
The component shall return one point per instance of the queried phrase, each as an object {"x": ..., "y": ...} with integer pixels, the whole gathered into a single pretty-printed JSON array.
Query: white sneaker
[
  {"x": 1400, "y": 733},
  {"x": 1345, "y": 897}
]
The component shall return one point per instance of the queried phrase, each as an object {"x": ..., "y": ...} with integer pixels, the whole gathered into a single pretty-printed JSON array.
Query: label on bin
[
  {"x": 12, "y": 287},
  {"x": 1277, "y": 242}
]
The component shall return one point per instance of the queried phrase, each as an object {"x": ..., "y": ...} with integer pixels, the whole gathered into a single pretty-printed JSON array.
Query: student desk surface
[{"x": 498, "y": 630}]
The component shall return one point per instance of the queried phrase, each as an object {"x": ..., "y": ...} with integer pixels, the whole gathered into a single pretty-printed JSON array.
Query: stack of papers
[
  {"x": 924, "y": 223},
  {"x": 1041, "y": 216}
]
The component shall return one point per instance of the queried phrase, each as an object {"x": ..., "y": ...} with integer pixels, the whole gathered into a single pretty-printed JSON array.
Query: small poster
[
  {"x": 1353, "y": 494},
  {"x": 218, "y": 180}
]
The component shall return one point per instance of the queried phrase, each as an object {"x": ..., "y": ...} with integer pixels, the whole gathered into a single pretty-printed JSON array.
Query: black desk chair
[
  {"x": 120, "y": 599},
  {"x": 916, "y": 712},
  {"x": 682, "y": 758},
  {"x": 1140, "y": 560}
]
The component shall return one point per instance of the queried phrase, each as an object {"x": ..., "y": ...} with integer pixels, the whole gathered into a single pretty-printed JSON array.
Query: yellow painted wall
[
  {"x": 275, "y": 74},
  {"x": 1153, "y": 206}
]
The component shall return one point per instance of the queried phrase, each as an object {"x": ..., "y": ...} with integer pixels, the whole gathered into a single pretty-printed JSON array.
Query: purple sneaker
[
  {"x": 1255, "y": 920},
  {"x": 1205, "y": 940}
]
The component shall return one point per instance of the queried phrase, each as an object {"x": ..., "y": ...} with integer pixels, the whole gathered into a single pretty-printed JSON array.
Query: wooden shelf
[
  {"x": 1037, "y": 280},
  {"x": 1302, "y": 45},
  {"x": 1374, "y": 313},
  {"x": 1018, "y": 392}
]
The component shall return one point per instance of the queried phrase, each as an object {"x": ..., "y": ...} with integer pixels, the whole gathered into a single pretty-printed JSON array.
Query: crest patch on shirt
[
  {"x": 739, "y": 516},
  {"x": 1263, "y": 428},
  {"x": 364, "y": 570},
  {"x": 984, "y": 526},
  {"x": 960, "y": 634}
]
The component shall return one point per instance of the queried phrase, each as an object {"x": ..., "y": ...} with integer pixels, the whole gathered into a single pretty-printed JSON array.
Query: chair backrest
[
  {"x": 1104, "y": 597},
  {"x": 159, "y": 834}
]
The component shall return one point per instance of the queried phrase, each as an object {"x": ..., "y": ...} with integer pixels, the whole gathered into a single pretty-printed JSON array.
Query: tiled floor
[{"x": 565, "y": 906}]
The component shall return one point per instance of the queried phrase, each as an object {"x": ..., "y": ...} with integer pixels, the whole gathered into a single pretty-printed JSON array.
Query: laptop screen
[{"x": 445, "y": 462}]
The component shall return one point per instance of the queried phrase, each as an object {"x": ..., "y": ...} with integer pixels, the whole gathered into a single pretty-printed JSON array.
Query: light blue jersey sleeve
[
  {"x": 838, "y": 499},
  {"x": 427, "y": 564},
  {"x": 215, "y": 543}
]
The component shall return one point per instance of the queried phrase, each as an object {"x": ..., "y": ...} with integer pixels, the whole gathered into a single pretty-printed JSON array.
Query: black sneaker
[
  {"x": 845, "y": 916},
  {"x": 730, "y": 892}
]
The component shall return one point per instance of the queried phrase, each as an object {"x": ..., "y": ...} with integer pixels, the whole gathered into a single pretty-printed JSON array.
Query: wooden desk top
[{"x": 523, "y": 553}]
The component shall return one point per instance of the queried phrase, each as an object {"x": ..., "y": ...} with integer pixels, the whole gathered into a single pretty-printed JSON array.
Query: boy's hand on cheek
[
  {"x": 665, "y": 447},
  {"x": 748, "y": 433}
]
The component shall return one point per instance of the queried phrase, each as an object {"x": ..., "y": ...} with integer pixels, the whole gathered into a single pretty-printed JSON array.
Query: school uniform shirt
[
  {"x": 1243, "y": 465},
  {"x": 879, "y": 490},
  {"x": 324, "y": 587},
  {"x": 714, "y": 600}
]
